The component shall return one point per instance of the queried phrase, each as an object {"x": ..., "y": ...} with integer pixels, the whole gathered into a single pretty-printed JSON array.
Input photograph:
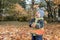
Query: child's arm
[{"x": 31, "y": 22}]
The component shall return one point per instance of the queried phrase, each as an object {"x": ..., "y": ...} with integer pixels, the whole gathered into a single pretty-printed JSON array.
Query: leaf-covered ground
[{"x": 21, "y": 31}]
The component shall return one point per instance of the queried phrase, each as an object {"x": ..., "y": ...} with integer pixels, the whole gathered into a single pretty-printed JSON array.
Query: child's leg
[
  {"x": 39, "y": 37},
  {"x": 33, "y": 37}
]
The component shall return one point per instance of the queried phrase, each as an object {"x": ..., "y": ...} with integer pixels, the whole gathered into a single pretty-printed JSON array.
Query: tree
[
  {"x": 22, "y": 3},
  {"x": 0, "y": 6},
  {"x": 32, "y": 3}
]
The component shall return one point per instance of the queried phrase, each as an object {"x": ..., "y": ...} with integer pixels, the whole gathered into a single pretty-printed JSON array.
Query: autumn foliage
[{"x": 12, "y": 32}]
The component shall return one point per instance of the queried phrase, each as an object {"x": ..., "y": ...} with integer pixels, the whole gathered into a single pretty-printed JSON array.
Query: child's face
[{"x": 37, "y": 15}]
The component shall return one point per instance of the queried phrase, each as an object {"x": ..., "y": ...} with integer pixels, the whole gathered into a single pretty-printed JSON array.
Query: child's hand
[{"x": 33, "y": 25}]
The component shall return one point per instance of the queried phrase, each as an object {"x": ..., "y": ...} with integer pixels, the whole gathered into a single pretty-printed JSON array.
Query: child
[{"x": 37, "y": 24}]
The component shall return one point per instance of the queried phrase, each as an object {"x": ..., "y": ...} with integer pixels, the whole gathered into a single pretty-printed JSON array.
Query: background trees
[{"x": 10, "y": 8}]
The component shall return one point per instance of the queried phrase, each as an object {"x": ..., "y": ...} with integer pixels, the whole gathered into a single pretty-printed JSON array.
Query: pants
[{"x": 37, "y": 37}]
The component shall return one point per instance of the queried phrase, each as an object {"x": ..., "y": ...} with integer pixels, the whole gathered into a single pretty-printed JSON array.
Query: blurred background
[{"x": 23, "y": 10}]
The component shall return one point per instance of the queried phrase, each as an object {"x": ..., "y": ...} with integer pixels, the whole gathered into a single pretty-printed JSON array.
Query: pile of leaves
[{"x": 12, "y": 32}]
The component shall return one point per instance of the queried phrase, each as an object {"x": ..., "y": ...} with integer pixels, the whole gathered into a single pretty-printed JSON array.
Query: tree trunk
[{"x": 32, "y": 3}]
